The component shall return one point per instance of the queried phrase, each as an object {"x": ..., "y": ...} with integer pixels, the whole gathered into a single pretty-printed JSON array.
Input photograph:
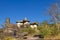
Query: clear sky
[{"x": 34, "y": 10}]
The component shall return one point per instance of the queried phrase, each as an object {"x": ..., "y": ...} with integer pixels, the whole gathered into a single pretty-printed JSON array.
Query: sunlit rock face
[
  {"x": 9, "y": 27},
  {"x": 34, "y": 25},
  {"x": 23, "y": 23},
  {"x": 19, "y": 23},
  {"x": 26, "y": 24},
  {"x": 8, "y": 31}
]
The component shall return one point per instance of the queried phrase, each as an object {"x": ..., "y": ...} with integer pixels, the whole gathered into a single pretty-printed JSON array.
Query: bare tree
[{"x": 54, "y": 12}]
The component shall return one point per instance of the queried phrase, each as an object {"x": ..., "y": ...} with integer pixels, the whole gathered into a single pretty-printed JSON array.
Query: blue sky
[{"x": 34, "y": 10}]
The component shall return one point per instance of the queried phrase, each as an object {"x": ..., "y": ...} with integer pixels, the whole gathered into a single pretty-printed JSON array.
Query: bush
[
  {"x": 48, "y": 31},
  {"x": 9, "y": 38},
  {"x": 29, "y": 30},
  {"x": 54, "y": 31}
]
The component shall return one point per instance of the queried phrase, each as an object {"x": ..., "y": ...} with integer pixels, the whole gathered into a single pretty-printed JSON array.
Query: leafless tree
[{"x": 54, "y": 12}]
